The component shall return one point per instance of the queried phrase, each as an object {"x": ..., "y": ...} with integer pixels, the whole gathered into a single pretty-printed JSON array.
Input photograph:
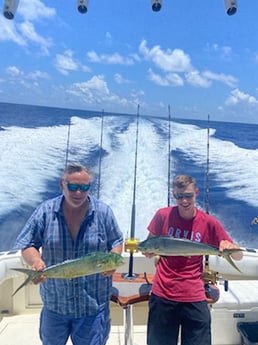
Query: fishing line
[
  {"x": 207, "y": 168},
  {"x": 169, "y": 148},
  {"x": 207, "y": 191},
  {"x": 100, "y": 152},
  {"x": 67, "y": 143},
  {"x": 206, "y": 262}
]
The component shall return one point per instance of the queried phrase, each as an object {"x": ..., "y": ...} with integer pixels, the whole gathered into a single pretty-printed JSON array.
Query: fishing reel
[
  {"x": 131, "y": 245},
  {"x": 212, "y": 292},
  {"x": 211, "y": 279}
]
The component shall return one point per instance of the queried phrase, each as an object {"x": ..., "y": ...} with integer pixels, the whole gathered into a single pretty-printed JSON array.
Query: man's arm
[
  {"x": 118, "y": 249},
  {"x": 33, "y": 258}
]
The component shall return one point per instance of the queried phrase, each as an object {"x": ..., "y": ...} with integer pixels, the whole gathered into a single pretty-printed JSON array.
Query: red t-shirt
[{"x": 179, "y": 278}]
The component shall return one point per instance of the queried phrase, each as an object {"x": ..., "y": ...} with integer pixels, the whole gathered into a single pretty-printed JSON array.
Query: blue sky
[{"x": 191, "y": 55}]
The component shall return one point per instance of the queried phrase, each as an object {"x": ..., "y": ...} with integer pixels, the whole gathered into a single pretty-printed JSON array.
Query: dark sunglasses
[
  {"x": 179, "y": 196},
  {"x": 73, "y": 187}
]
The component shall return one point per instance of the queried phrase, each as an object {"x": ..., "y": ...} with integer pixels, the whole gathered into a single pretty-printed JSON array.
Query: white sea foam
[
  {"x": 234, "y": 166},
  {"x": 31, "y": 157}
]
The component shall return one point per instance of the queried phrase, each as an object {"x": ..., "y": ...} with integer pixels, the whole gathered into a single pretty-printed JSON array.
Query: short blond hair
[{"x": 182, "y": 181}]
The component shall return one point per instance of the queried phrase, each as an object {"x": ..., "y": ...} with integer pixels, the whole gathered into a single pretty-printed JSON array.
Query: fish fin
[
  {"x": 24, "y": 270},
  {"x": 31, "y": 274},
  {"x": 226, "y": 254}
]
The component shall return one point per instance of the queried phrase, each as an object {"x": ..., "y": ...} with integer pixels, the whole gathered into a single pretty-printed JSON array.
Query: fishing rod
[
  {"x": 67, "y": 143},
  {"x": 169, "y": 148},
  {"x": 206, "y": 262},
  {"x": 132, "y": 232},
  {"x": 207, "y": 168},
  {"x": 212, "y": 276},
  {"x": 209, "y": 277},
  {"x": 100, "y": 152}
]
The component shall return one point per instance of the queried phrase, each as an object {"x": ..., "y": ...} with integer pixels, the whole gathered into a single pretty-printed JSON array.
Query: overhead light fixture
[
  {"x": 82, "y": 6},
  {"x": 10, "y": 7},
  {"x": 231, "y": 7},
  {"x": 156, "y": 5}
]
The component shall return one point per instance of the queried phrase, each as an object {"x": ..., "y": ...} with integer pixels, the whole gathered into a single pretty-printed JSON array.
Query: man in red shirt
[{"x": 178, "y": 296}]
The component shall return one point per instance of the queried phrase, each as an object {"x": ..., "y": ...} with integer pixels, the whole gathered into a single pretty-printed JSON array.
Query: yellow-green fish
[
  {"x": 92, "y": 263},
  {"x": 171, "y": 246}
]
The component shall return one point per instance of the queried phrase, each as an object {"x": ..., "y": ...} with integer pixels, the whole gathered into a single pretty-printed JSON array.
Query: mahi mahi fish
[
  {"x": 170, "y": 246},
  {"x": 92, "y": 263}
]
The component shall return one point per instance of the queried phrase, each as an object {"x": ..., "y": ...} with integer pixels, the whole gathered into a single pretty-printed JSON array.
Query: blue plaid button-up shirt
[{"x": 47, "y": 229}]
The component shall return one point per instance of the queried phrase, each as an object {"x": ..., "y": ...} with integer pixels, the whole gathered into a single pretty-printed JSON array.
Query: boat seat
[{"x": 127, "y": 291}]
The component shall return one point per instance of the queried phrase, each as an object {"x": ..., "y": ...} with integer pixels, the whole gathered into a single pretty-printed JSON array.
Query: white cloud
[
  {"x": 28, "y": 81},
  {"x": 95, "y": 91},
  {"x": 225, "y": 79},
  {"x": 204, "y": 79},
  {"x": 37, "y": 75},
  {"x": 34, "y": 10},
  {"x": 29, "y": 85},
  {"x": 111, "y": 59},
  {"x": 23, "y": 31},
  {"x": 238, "y": 96},
  {"x": 195, "y": 78},
  {"x": 28, "y": 31},
  {"x": 177, "y": 62},
  {"x": 224, "y": 52},
  {"x": 137, "y": 93},
  {"x": 168, "y": 61},
  {"x": 9, "y": 32},
  {"x": 65, "y": 63},
  {"x": 120, "y": 80},
  {"x": 14, "y": 72},
  {"x": 170, "y": 79}
]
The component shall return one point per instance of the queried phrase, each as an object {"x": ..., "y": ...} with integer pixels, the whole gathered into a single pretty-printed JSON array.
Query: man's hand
[{"x": 225, "y": 244}]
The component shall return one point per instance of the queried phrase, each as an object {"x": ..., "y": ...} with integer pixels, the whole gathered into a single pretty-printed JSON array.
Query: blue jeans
[{"x": 55, "y": 328}]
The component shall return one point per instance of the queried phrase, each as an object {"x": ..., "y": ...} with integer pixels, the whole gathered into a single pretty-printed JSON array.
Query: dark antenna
[
  {"x": 169, "y": 148},
  {"x": 100, "y": 153},
  {"x": 67, "y": 143},
  {"x": 132, "y": 233}
]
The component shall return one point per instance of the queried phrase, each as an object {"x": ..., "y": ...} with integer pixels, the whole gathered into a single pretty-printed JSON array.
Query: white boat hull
[
  {"x": 239, "y": 304},
  {"x": 248, "y": 267}
]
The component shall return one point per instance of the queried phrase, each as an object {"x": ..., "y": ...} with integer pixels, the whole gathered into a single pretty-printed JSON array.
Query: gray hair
[{"x": 75, "y": 167}]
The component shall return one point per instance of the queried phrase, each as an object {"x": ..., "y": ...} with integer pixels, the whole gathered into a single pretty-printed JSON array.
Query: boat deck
[
  {"x": 238, "y": 304},
  {"x": 23, "y": 330},
  {"x": 19, "y": 315}
]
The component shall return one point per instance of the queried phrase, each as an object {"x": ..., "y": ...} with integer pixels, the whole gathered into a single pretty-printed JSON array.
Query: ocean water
[{"x": 37, "y": 141}]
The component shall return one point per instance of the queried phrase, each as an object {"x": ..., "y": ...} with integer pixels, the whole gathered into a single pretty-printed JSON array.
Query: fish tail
[
  {"x": 226, "y": 254},
  {"x": 31, "y": 275}
]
